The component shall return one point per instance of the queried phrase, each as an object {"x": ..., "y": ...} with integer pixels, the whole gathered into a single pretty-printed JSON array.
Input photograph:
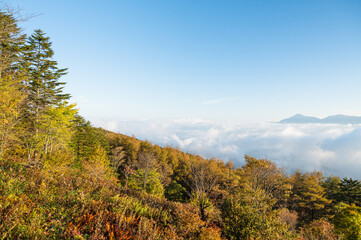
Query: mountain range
[{"x": 334, "y": 119}]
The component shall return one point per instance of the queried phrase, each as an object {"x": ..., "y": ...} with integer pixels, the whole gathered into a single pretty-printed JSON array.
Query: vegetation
[{"x": 61, "y": 178}]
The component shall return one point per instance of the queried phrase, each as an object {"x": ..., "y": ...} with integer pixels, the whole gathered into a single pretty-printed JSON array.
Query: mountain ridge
[{"x": 332, "y": 119}]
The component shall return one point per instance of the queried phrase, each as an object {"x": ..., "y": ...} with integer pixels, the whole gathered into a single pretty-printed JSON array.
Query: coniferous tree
[
  {"x": 11, "y": 94},
  {"x": 349, "y": 191},
  {"x": 86, "y": 138},
  {"x": 11, "y": 42},
  {"x": 332, "y": 188},
  {"x": 83, "y": 140},
  {"x": 45, "y": 100},
  {"x": 44, "y": 87}
]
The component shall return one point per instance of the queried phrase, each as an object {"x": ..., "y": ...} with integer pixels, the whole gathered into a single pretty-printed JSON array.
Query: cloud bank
[{"x": 334, "y": 149}]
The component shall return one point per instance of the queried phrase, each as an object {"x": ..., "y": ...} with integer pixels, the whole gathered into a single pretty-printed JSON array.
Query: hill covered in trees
[{"x": 61, "y": 178}]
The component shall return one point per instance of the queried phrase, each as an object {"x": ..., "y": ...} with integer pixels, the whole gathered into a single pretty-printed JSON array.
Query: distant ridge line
[{"x": 333, "y": 119}]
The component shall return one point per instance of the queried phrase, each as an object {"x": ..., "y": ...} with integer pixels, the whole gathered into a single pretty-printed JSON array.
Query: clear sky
[{"x": 218, "y": 60}]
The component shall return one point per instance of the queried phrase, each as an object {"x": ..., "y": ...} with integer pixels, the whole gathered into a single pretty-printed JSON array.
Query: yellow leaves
[
  {"x": 43, "y": 185},
  {"x": 261, "y": 174},
  {"x": 10, "y": 100},
  {"x": 54, "y": 131},
  {"x": 63, "y": 113},
  {"x": 58, "y": 120},
  {"x": 99, "y": 164},
  {"x": 319, "y": 229},
  {"x": 99, "y": 157},
  {"x": 58, "y": 157}
]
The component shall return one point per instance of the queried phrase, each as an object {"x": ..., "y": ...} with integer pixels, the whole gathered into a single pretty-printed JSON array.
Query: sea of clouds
[{"x": 334, "y": 149}]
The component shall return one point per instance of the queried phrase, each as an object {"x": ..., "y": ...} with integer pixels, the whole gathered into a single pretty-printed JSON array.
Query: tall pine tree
[
  {"x": 44, "y": 94},
  {"x": 349, "y": 191},
  {"x": 44, "y": 87}
]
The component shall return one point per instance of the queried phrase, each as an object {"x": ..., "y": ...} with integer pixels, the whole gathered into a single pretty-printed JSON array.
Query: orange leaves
[{"x": 102, "y": 225}]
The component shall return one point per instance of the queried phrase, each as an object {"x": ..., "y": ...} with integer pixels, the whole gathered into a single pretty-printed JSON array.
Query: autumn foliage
[{"x": 61, "y": 178}]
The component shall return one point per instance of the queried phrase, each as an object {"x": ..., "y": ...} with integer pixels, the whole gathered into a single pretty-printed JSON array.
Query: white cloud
[{"x": 334, "y": 149}]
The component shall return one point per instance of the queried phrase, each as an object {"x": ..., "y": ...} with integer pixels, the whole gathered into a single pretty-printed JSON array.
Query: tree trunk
[
  {"x": 203, "y": 213},
  {"x": 145, "y": 180}
]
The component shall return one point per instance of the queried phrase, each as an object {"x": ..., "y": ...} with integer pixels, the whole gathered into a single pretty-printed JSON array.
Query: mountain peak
[
  {"x": 333, "y": 119},
  {"x": 299, "y": 118}
]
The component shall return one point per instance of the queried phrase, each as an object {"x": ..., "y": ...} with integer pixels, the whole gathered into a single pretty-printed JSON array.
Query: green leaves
[
  {"x": 47, "y": 117},
  {"x": 249, "y": 215},
  {"x": 44, "y": 87},
  {"x": 175, "y": 192},
  {"x": 150, "y": 179},
  {"x": 11, "y": 94},
  {"x": 348, "y": 221},
  {"x": 308, "y": 195}
]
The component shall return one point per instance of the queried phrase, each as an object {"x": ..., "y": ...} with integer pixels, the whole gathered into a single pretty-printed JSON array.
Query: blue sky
[{"x": 238, "y": 61}]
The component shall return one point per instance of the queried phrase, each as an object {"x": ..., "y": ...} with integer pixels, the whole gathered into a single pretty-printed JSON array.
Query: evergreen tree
[
  {"x": 11, "y": 94},
  {"x": 346, "y": 190},
  {"x": 11, "y": 42},
  {"x": 86, "y": 138},
  {"x": 44, "y": 95},
  {"x": 44, "y": 88},
  {"x": 332, "y": 188},
  {"x": 350, "y": 191}
]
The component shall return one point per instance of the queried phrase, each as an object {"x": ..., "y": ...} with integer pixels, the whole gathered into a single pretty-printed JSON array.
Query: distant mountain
[
  {"x": 342, "y": 119},
  {"x": 336, "y": 119},
  {"x": 299, "y": 118}
]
